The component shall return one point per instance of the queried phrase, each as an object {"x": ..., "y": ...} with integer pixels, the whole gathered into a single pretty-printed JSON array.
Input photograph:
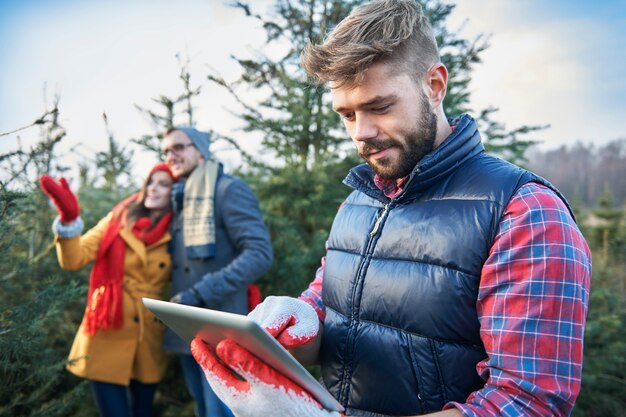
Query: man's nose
[
  {"x": 364, "y": 128},
  {"x": 169, "y": 156}
]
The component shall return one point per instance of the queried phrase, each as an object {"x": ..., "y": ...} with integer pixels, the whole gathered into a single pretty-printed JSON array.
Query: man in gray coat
[{"x": 219, "y": 245}]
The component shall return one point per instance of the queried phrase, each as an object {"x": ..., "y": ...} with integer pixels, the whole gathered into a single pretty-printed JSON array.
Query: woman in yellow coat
[{"x": 118, "y": 346}]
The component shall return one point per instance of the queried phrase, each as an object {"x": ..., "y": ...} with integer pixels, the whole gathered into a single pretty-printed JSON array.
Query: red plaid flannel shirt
[{"x": 532, "y": 304}]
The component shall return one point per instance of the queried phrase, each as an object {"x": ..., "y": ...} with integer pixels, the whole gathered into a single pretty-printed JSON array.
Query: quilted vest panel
[{"x": 401, "y": 334}]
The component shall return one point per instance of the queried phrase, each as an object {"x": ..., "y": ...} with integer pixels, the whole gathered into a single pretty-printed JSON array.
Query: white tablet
[{"x": 213, "y": 326}]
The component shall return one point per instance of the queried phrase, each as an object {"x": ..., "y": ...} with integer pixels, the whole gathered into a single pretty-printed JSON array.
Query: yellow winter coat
[{"x": 135, "y": 350}]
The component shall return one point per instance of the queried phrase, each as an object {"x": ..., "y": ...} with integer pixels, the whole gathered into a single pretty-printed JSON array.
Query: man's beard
[{"x": 419, "y": 142}]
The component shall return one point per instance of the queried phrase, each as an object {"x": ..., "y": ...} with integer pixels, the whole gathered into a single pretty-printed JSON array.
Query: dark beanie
[{"x": 201, "y": 140}]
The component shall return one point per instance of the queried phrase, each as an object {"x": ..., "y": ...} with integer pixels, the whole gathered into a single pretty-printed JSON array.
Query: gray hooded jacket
[{"x": 243, "y": 255}]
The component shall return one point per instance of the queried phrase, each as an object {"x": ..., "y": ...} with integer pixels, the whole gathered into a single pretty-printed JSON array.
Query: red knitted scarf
[{"x": 104, "y": 299}]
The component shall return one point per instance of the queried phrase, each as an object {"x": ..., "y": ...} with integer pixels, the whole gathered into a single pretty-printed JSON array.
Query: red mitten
[
  {"x": 62, "y": 197},
  {"x": 249, "y": 387},
  {"x": 291, "y": 321}
]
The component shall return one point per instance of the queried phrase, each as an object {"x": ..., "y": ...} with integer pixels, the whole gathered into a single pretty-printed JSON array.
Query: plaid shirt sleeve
[
  {"x": 532, "y": 305},
  {"x": 313, "y": 294}
]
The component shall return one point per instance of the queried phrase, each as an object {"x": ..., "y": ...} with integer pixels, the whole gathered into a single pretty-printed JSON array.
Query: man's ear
[
  {"x": 436, "y": 81},
  {"x": 199, "y": 155}
]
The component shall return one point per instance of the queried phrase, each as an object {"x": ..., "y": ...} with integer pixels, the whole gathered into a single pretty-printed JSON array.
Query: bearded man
[{"x": 454, "y": 282}]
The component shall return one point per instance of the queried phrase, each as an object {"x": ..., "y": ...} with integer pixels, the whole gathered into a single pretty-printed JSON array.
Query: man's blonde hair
[{"x": 383, "y": 30}]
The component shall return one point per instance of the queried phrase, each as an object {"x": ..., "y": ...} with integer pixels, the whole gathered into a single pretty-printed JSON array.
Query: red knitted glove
[
  {"x": 249, "y": 387},
  {"x": 291, "y": 321},
  {"x": 62, "y": 197}
]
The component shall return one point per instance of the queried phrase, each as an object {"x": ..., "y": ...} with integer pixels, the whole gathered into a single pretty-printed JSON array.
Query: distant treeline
[{"x": 583, "y": 172}]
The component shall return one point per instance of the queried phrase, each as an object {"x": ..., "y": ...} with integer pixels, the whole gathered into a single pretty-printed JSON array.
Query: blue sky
[{"x": 551, "y": 62}]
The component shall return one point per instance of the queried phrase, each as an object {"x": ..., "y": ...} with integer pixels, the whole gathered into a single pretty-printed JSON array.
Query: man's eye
[
  {"x": 381, "y": 109},
  {"x": 347, "y": 116}
]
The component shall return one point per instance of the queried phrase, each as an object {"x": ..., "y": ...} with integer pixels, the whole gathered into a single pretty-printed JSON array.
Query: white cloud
[
  {"x": 546, "y": 71},
  {"x": 102, "y": 57}
]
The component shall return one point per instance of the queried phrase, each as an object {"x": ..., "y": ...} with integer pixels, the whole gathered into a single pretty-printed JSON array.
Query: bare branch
[{"x": 40, "y": 121}]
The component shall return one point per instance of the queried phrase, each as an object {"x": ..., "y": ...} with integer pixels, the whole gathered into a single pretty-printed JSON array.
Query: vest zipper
[
  {"x": 379, "y": 221},
  {"x": 368, "y": 253},
  {"x": 353, "y": 315}
]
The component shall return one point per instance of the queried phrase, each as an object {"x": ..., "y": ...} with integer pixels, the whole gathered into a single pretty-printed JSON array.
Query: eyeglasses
[{"x": 176, "y": 148}]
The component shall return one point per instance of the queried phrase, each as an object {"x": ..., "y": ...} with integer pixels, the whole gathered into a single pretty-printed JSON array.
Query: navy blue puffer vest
[{"x": 401, "y": 334}]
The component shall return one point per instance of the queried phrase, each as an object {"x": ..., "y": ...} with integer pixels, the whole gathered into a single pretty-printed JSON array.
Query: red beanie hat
[{"x": 162, "y": 166}]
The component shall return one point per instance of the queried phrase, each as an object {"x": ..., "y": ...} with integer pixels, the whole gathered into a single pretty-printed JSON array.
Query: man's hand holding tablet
[
  {"x": 228, "y": 347},
  {"x": 249, "y": 387}
]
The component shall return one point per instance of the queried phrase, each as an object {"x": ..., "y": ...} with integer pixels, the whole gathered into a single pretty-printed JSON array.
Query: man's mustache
[{"x": 376, "y": 145}]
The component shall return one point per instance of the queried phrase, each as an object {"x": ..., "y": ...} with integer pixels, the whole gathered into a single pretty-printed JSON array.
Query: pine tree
[
  {"x": 607, "y": 232},
  {"x": 114, "y": 165},
  {"x": 168, "y": 114},
  {"x": 42, "y": 304},
  {"x": 36, "y": 297},
  {"x": 603, "y": 389}
]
